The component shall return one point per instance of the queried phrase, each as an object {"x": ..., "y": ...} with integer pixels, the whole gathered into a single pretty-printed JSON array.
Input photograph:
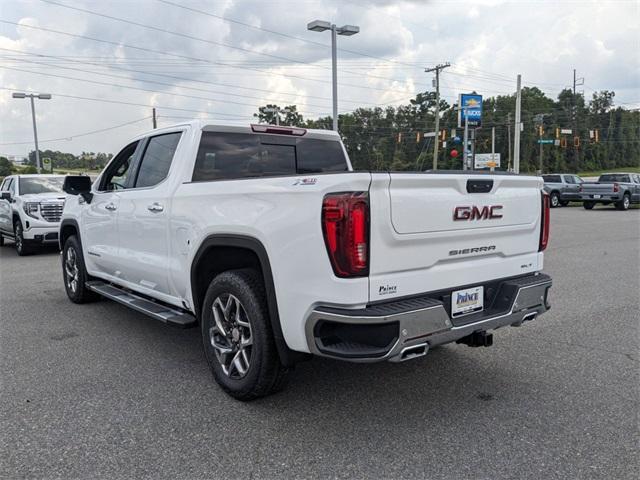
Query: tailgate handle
[{"x": 479, "y": 186}]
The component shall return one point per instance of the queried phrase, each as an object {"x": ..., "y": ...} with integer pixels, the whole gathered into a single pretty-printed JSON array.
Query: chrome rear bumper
[{"x": 407, "y": 328}]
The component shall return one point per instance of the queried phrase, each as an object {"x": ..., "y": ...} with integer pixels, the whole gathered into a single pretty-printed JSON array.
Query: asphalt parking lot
[{"x": 99, "y": 391}]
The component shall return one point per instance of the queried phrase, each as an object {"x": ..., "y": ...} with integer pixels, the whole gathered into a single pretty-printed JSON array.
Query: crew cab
[
  {"x": 562, "y": 188},
  {"x": 621, "y": 189},
  {"x": 30, "y": 210},
  {"x": 266, "y": 239}
]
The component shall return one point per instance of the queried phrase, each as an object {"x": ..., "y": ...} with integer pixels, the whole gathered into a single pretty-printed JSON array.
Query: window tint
[
  {"x": 569, "y": 179},
  {"x": 117, "y": 173},
  {"x": 552, "y": 178},
  {"x": 5, "y": 184},
  {"x": 614, "y": 177},
  {"x": 241, "y": 155},
  {"x": 12, "y": 186},
  {"x": 316, "y": 156},
  {"x": 156, "y": 159},
  {"x": 578, "y": 179}
]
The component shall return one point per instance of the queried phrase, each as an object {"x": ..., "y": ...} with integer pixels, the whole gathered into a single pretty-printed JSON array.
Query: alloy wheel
[
  {"x": 231, "y": 336},
  {"x": 71, "y": 269},
  {"x": 18, "y": 237}
]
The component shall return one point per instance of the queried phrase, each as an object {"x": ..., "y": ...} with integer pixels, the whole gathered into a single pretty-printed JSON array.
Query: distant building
[{"x": 17, "y": 159}]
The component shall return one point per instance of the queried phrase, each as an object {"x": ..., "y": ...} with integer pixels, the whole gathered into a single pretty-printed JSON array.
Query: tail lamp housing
[
  {"x": 345, "y": 226},
  {"x": 616, "y": 188},
  {"x": 544, "y": 222}
]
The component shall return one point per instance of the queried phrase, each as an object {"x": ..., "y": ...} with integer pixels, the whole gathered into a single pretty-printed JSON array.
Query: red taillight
[
  {"x": 580, "y": 189},
  {"x": 616, "y": 188},
  {"x": 345, "y": 225},
  {"x": 544, "y": 222}
]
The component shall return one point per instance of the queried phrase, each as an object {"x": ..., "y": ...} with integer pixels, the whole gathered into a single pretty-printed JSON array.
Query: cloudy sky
[{"x": 106, "y": 63}]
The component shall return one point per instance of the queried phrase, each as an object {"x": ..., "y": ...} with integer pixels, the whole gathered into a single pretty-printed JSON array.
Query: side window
[
  {"x": 117, "y": 173},
  {"x": 5, "y": 183},
  {"x": 12, "y": 186},
  {"x": 637, "y": 178},
  {"x": 578, "y": 179},
  {"x": 569, "y": 179},
  {"x": 156, "y": 159},
  {"x": 316, "y": 156},
  {"x": 241, "y": 155}
]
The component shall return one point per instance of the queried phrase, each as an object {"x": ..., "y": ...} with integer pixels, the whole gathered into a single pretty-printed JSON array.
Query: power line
[{"x": 71, "y": 137}]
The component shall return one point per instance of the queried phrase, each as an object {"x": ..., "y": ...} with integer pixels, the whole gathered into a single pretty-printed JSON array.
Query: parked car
[
  {"x": 30, "y": 210},
  {"x": 266, "y": 238},
  {"x": 562, "y": 188},
  {"x": 621, "y": 189}
]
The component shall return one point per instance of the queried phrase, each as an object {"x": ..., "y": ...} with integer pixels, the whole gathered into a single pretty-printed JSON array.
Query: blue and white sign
[{"x": 470, "y": 110}]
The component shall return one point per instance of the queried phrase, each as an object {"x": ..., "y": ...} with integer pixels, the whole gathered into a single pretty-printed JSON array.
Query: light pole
[
  {"x": 31, "y": 96},
  {"x": 346, "y": 30}
]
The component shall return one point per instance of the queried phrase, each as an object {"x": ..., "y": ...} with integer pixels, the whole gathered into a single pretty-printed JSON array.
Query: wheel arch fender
[
  {"x": 68, "y": 227},
  {"x": 254, "y": 247}
]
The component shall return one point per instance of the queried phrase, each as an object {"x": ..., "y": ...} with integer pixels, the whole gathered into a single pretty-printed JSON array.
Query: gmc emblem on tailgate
[{"x": 476, "y": 213}]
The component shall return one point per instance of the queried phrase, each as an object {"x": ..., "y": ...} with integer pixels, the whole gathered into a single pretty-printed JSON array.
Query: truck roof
[{"x": 221, "y": 127}]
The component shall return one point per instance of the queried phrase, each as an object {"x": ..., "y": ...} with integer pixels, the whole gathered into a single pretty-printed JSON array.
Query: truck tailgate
[{"x": 428, "y": 232}]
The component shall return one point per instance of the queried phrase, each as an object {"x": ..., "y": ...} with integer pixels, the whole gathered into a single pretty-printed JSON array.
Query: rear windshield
[
  {"x": 245, "y": 155},
  {"x": 614, "y": 177},
  {"x": 552, "y": 178},
  {"x": 30, "y": 185}
]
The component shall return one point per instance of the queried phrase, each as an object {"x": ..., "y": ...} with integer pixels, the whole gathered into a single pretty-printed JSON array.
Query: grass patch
[{"x": 612, "y": 170}]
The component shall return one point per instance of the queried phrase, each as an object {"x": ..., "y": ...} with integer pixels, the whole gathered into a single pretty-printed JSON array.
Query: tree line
[{"x": 604, "y": 136}]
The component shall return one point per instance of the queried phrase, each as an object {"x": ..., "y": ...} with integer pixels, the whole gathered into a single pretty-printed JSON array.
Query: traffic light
[
  {"x": 417, "y": 137},
  {"x": 563, "y": 142},
  {"x": 399, "y": 137},
  {"x": 540, "y": 130},
  {"x": 443, "y": 135},
  {"x": 576, "y": 142},
  {"x": 557, "y": 133},
  {"x": 597, "y": 133}
]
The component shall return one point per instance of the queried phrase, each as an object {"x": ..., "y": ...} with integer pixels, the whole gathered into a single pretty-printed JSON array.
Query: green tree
[{"x": 6, "y": 167}]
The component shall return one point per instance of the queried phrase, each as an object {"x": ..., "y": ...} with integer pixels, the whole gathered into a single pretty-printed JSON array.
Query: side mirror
[
  {"x": 6, "y": 196},
  {"x": 78, "y": 185}
]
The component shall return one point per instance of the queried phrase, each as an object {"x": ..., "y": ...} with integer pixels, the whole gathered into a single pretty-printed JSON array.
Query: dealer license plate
[{"x": 469, "y": 300}]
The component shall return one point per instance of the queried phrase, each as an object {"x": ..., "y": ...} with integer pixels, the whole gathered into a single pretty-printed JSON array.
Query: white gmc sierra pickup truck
[{"x": 265, "y": 238}]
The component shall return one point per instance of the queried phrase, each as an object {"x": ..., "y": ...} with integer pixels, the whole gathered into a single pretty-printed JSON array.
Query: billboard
[
  {"x": 470, "y": 109},
  {"x": 484, "y": 160}
]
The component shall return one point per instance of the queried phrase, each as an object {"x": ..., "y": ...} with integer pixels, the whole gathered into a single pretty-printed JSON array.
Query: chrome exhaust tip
[{"x": 413, "y": 351}]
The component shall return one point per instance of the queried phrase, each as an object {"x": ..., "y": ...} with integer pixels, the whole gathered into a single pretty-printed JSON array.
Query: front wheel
[
  {"x": 624, "y": 204},
  {"x": 74, "y": 273},
  {"x": 19, "y": 242},
  {"x": 237, "y": 336},
  {"x": 589, "y": 205},
  {"x": 554, "y": 199}
]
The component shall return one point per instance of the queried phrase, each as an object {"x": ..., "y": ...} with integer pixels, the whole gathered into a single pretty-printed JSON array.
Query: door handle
[
  {"x": 155, "y": 207},
  {"x": 111, "y": 207}
]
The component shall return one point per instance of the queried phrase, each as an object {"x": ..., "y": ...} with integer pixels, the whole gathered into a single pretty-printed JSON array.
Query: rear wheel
[
  {"x": 22, "y": 248},
  {"x": 554, "y": 199},
  {"x": 625, "y": 203},
  {"x": 74, "y": 273},
  {"x": 237, "y": 337},
  {"x": 589, "y": 205}
]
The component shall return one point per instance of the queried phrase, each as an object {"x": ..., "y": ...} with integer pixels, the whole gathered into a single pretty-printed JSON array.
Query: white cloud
[{"x": 488, "y": 43}]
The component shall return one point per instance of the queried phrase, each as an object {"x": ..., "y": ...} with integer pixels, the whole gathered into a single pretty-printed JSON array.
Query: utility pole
[
  {"x": 516, "y": 140},
  {"x": 575, "y": 117},
  {"x": 32, "y": 96},
  {"x": 436, "y": 144},
  {"x": 493, "y": 147},
  {"x": 155, "y": 120},
  {"x": 509, "y": 140}
]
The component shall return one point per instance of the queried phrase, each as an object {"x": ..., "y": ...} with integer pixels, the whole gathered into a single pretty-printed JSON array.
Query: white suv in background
[{"x": 30, "y": 210}]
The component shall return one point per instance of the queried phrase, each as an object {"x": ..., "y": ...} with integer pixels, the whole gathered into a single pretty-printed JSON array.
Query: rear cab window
[
  {"x": 552, "y": 178},
  {"x": 614, "y": 177},
  {"x": 226, "y": 156}
]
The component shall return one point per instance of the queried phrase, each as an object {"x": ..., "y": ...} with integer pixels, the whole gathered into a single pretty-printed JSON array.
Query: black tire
[
  {"x": 263, "y": 373},
  {"x": 625, "y": 203},
  {"x": 554, "y": 199},
  {"x": 75, "y": 270},
  {"x": 21, "y": 245},
  {"x": 589, "y": 205},
  {"x": 564, "y": 203}
]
